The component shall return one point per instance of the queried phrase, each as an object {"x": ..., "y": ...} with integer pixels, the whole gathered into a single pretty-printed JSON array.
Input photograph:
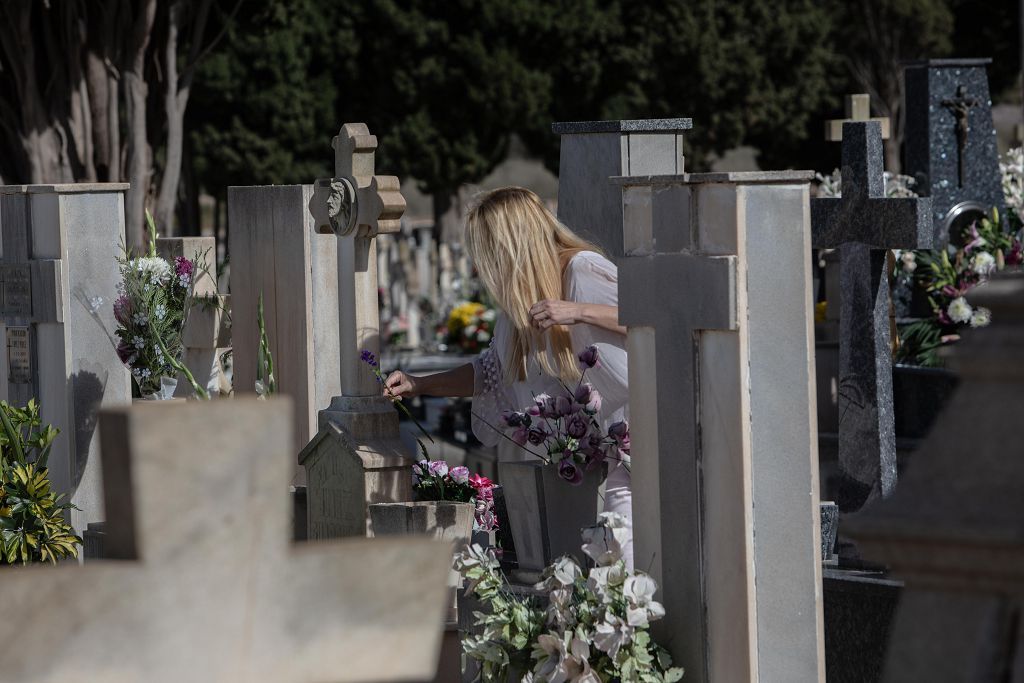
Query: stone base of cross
[{"x": 357, "y": 457}]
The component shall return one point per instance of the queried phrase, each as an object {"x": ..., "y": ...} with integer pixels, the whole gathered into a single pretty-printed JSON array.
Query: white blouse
[{"x": 589, "y": 278}]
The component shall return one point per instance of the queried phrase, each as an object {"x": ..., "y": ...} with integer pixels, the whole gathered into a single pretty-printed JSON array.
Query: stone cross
[
  {"x": 863, "y": 224},
  {"x": 858, "y": 108},
  {"x": 357, "y": 457},
  {"x": 725, "y": 515},
  {"x": 58, "y": 282},
  {"x": 357, "y": 205},
  {"x": 953, "y": 530},
  {"x": 207, "y": 585}
]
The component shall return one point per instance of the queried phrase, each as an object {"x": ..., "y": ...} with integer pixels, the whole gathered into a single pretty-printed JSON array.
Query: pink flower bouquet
[{"x": 435, "y": 480}]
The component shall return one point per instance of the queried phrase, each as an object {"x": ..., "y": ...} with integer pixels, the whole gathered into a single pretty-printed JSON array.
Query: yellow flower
[
  {"x": 819, "y": 311},
  {"x": 463, "y": 314}
]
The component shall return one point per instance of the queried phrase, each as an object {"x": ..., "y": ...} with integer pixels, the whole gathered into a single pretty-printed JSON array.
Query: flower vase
[
  {"x": 165, "y": 392},
  {"x": 546, "y": 513},
  {"x": 440, "y": 519}
]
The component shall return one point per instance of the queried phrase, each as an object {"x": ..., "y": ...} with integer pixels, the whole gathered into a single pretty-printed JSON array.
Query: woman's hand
[
  {"x": 399, "y": 385},
  {"x": 550, "y": 312}
]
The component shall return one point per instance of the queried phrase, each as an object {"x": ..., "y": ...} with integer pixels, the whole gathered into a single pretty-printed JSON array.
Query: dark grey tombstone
[
  {"x": 954, "y": 530},
  {"x": 592, "y": 152},
  {"x": 951, "y": 141},
  {"x": 863, "y": 224}
]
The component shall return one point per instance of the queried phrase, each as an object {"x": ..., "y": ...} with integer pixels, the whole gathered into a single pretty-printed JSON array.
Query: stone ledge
[
  {"x": 966, "y": 62},
  {"x": 740, "y": 177},
  {"x": 64, "y": 188},
  {"x": 626, "y": 126}
]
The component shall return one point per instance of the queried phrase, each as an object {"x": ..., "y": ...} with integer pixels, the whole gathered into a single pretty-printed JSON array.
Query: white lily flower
[{"x": 612, "y": 634}]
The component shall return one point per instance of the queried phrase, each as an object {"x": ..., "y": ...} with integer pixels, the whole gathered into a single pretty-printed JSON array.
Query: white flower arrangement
[
  {"x": 594, "y": 628},
  {"x": 1012, "y": 171},
  {"x": 959, "y": 311},
  {"x": 156, "y": 268}
]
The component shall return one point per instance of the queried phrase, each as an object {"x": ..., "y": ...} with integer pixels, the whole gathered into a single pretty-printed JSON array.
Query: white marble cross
[
  {"x": 211, "y": 588},
  {"x": 357, "y": 205}
]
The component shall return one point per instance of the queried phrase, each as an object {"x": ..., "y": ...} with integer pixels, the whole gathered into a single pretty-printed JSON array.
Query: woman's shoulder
[{"x": 592, "y": 261}]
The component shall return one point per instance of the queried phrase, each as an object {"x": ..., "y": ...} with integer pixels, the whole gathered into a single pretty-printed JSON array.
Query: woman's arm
[
  {"x": 455, "y": 382},
  {"x": 554, "y": 312}
]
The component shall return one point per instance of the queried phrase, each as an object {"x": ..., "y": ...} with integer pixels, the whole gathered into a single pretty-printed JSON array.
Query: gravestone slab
[
  {"x": 209, "y": 587},
  {"x": 955, "y": 532},
  {"x": 951, "y": 141},
  {"x": 863, "y": 224},
  {"x": 58, "y": 280},
  {"x": 592, "y": 152},
  {"x": 724, "y": 441},
  {"x": 277, "y": 252}
]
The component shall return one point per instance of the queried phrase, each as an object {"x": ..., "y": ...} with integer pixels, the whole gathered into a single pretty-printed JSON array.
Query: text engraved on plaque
[
  {"x": 15, "y": 289},
  {"x": 19, "y": 356}
]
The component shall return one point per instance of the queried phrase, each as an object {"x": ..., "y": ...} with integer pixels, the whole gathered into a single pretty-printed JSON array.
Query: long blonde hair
[{"x": 521, "y": 251}]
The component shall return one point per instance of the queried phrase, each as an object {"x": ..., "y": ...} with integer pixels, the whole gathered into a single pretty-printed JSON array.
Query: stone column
[
  {"x": 725, "y": 476},
  {"x": 592, "y": 152},
  {"x": 58, "y": 282}
]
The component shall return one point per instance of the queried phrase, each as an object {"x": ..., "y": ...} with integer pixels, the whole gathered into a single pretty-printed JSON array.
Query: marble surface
[
  {"x": 210, "y": 588},
  {"x": 624, "y": 126}
]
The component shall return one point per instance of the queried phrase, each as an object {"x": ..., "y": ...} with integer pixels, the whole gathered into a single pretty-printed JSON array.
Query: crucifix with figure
[
  {"x": 863, "y": 224},
  {"x": 960, "y": 106},
  {"x": 357, "y": 457}
]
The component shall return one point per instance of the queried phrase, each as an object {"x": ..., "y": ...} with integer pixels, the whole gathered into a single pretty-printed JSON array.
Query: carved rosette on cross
[{"x": 356, "y": 199}]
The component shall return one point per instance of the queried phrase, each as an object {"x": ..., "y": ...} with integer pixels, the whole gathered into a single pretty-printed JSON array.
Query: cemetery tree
[
  {"x": 443, "y": 85},
  {"x": 97, "y": 92},
  {"x": 264, "y": 99},
  {"x": 875, "y": 36},
  {"x": 744, "y": 71}
]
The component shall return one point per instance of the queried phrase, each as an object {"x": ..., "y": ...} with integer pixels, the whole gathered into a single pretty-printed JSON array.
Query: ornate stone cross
[
  {"x": 357, "y": 205},
  {"x": 858, "y": 108},
  {"x": 357, "y": 457},
  {"x": 960, "y": 106},
  {"x": 863, "y": 225}
]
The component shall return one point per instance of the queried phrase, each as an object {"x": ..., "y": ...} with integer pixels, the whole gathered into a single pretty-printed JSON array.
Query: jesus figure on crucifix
[{"x": 557, "y": 294}]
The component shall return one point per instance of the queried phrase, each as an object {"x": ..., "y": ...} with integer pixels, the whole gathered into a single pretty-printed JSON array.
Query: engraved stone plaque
[
  {"x": 15, "y": 289},
  {"x": 19, "y": 356}
]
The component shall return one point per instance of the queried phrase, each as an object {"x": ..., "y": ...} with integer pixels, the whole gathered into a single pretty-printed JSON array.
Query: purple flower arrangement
[
  {"x": 435, "y": 480},
  {"x": 565, "y": 427}
]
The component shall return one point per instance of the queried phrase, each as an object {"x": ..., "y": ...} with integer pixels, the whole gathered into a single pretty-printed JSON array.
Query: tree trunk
[
  {"x": 176, "y": 93},
  {"x": 138, "y": 146}
]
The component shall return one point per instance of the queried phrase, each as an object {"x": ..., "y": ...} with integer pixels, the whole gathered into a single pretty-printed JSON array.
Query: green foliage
[
  {"x": 266, "y": 383},
  {"x": 32, "y": 523}
]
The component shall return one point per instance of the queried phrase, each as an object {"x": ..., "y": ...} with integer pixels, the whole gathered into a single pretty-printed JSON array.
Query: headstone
[
  {"x": 208, "y": 586},
  {"x": 207, "y": 331},
  {"x": 276, "y": 252},
  {"x": 592, "y": 152},
  {"x": 863, "y": 224},
  {"x": 726, "y": 510},
  {"x": 950, "y": 143},
  {"x": 58, "y": 282},
  {"x": 954, "y": 529},
  {"x": 858, "y": 108},
  {"x": 359, "y": 430}
]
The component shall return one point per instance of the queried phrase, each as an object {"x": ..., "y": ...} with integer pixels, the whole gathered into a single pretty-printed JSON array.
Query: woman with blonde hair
[{"x": 557, "y": 295}]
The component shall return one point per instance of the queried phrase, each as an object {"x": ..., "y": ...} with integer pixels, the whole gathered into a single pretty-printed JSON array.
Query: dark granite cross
[
  {"x": 863, "y": 225},
  {"x": 960, "y": 106}
]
